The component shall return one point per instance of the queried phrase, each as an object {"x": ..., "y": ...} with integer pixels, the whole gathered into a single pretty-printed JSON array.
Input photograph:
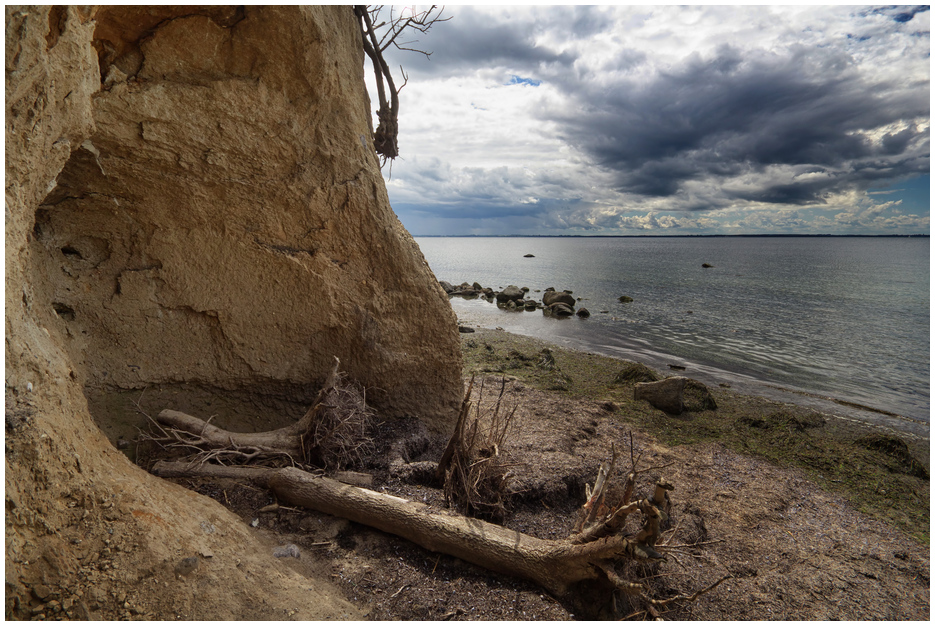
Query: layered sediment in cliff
[{"x": 192, "y": 196}]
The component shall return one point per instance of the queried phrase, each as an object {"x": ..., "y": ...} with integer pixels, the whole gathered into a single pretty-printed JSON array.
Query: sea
[{"x": 837, "y": 323}]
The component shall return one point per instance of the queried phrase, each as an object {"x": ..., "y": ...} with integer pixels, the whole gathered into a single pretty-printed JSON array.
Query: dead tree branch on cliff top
[
  {"x": 475, "y": 472},
  {"x": 378, "y": 35}
]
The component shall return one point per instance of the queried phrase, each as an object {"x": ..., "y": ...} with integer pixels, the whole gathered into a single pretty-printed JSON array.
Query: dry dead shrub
[
  {"x": 340, "y": 437},
  {"x": 479, "y": 474}
]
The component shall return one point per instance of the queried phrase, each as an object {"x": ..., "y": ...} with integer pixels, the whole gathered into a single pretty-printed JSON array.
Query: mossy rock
[
  {"x": 696, "y": 397},
  {"x": 635, "y": 373},
  {"x": 901, "y": 461}
]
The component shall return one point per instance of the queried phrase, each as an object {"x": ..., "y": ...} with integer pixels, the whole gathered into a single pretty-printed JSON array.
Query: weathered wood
[
  {"x": 555, "y": 565},
  {"x": 456, "y": 437},
  {"x": 182, "y": 469},
  {"x": 286, "y": 440}
]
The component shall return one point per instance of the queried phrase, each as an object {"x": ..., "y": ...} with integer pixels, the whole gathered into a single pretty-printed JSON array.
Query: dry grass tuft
[{"x": 478, "y": 476}]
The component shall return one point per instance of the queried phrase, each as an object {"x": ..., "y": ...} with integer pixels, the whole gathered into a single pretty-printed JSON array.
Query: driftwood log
[
  {"x": 555, "y": 565},
  {"x": 593, "y": 553}
]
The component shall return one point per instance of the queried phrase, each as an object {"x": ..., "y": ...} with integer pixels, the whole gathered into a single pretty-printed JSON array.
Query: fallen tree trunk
[{"x": 554, "y": 565}]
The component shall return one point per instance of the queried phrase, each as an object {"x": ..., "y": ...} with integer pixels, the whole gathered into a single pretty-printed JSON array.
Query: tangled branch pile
[
  {"x": 340, "y": 435},
  {"x": 617, "y": 532}
]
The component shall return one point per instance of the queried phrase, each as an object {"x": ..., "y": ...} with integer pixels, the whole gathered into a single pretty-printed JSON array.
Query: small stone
[
  {"x": 187, "y": 566},
  {"x": 287, "y": 551},
  {"x": 41, "y": 592}
]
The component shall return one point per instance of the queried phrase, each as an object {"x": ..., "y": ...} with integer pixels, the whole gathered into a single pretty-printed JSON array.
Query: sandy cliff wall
[
  {"x": 191, "y": 195},
  {"x": 227, "y": 223}
]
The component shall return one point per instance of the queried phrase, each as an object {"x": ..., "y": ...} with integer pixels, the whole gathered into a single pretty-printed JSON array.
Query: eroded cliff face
[
  {"x": 191, "y": 196},
  {"x": 227, "y": 222}
]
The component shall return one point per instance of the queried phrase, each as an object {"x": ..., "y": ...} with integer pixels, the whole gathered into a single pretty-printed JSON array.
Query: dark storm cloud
[
  {"x": 593, "y": 114},
  {"x": 735, "y": 113},
  {"x": 479, "y": 43}
]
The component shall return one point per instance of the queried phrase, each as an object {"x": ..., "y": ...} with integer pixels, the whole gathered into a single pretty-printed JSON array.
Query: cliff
[{"x": 192, "y": 196}]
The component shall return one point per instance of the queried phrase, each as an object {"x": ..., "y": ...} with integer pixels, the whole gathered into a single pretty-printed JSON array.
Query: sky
[{"x": 665, "y": 120}]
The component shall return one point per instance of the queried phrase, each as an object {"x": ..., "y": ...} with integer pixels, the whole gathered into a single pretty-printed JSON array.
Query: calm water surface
[{"x": 841, "y": 317}]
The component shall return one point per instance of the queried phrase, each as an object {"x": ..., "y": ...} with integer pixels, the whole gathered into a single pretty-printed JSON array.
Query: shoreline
[
  {"x": 870, "y": 417},
  {"x": 883, "y": 471},
  {"x": 738, "y": 382}
]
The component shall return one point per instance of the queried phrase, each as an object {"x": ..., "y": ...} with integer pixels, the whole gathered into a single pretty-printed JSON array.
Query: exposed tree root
[{"x": 333, "y": 433}]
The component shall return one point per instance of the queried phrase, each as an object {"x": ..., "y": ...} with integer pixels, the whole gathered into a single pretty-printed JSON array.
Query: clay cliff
[{"x": 192, "y": 196}]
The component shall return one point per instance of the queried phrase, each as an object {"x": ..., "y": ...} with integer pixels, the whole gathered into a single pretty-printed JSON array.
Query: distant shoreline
[{"x": 772, "y": 235}]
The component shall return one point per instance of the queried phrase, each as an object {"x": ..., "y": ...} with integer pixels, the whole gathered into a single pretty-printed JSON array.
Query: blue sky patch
[{"x": 519, "y": 80}]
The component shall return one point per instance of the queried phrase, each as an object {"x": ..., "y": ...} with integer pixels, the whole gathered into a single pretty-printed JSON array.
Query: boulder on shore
[
  {"x": 675, "y": 395},
  {"x": 633, "y": 372},
  {"x": 625, "y": 299},
  {"x": 583, "y": 313},
  {"x": 558, "y": 309},
  {"x": 665, "y": 395}
]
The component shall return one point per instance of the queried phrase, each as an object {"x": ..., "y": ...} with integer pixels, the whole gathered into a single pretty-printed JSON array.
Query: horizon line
[{"x": 696, "y": 235}]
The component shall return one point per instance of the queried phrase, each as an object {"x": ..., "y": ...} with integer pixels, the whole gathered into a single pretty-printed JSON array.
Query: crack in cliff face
[
  {"x": 287, "y": 250},
  {"x": 120, "y": 33}
]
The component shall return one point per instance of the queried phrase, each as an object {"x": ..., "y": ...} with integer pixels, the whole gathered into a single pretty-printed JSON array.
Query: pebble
[
  {"x": 287, "y": 551},
  {"x": 186, "y": 566}
]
